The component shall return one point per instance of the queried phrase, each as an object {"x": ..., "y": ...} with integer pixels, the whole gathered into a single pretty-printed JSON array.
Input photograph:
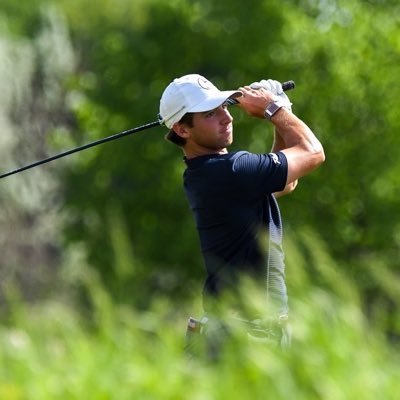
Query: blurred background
[{"x": 74, "y": 71}]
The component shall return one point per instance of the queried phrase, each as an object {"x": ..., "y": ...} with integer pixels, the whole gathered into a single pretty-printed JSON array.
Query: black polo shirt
[{"x": 231, "y": 198}]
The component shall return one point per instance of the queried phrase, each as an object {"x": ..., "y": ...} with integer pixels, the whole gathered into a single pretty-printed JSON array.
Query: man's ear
[{"x": 180, "y": 130}]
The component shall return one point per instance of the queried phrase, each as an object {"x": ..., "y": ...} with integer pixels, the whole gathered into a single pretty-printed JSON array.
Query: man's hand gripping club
[{"x": 258, "y": 95}]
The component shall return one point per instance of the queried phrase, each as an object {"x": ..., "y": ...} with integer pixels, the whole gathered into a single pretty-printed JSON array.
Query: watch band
[{"x": 272, "y": 108}]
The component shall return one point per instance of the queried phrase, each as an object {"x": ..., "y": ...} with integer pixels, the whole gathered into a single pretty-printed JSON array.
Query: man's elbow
[
  {"x": 321, "y": 156},
  {"x": 313, "y": 160},
  {"x": 318, "y": 155}
]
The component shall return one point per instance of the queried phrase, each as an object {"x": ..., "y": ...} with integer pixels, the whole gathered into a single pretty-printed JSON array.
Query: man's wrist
[{"x": 273, "y": 108}]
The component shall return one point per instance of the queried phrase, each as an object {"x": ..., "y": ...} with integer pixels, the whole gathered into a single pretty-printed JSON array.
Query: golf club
[{"x": 285, "y": 86}]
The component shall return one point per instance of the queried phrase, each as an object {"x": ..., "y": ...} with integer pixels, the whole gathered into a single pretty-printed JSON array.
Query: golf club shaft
[{"x": 83, "y": 147}]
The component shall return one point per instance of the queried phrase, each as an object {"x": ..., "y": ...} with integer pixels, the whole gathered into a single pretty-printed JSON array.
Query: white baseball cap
[{"x": 190, "y": 93}]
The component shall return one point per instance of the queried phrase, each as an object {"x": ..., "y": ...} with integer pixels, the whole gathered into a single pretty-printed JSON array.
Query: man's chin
[{"x": 229, "y": 140}]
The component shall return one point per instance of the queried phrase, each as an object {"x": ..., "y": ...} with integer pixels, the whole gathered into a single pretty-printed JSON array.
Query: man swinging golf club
[{"x": 233, "y": 194}]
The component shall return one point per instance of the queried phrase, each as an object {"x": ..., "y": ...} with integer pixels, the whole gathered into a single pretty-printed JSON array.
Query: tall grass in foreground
[{"x": 51, "y": 351}]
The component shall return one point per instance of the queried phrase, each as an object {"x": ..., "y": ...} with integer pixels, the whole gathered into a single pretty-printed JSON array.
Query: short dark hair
[{"x": 173, "y": 137}]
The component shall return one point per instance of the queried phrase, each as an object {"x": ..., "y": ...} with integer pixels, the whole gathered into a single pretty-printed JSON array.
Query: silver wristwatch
[{"x": 272, "y": 108}]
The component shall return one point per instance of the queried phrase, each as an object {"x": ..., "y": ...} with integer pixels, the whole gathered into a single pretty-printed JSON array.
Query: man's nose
[{"x": 227, "y": 117}]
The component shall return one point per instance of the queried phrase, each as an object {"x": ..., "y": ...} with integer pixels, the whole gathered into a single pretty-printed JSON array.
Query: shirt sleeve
[{"x": 261, "y": 174}]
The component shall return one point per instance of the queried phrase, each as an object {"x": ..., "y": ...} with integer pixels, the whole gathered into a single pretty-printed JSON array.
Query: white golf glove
[{"x": 276, "y": 88}]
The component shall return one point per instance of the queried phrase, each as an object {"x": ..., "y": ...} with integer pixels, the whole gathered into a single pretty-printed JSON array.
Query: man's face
[{"x": 212, "y": 130}]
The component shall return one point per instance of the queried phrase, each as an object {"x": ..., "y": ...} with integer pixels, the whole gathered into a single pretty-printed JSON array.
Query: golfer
[{"x": 233, "y": 194}]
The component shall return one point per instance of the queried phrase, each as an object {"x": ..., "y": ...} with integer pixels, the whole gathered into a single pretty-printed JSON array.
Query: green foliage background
[
  {"x": 344, "y": 57},
  {"x": 95, "y": 246},
  {"x": 100, "y": 70}
]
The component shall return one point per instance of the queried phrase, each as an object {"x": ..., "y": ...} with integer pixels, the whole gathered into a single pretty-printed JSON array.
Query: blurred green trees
[{"x": 124, "y": 200}]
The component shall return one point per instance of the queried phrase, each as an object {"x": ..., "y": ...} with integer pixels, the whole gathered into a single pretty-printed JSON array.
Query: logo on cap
[{"x": 204, "y": 83}]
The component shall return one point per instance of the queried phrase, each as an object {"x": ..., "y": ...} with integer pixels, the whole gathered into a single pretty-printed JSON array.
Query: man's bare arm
[
  {"x": 279, "y": 145},
  {"x": 302, "y": 149}
]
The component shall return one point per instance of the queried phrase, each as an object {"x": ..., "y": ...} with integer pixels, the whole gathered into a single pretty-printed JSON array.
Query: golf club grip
[{"x": 288, "y": 85}]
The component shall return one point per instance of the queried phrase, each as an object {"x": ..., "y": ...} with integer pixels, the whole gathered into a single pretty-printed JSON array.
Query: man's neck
[{"x": 192, "y": 153}]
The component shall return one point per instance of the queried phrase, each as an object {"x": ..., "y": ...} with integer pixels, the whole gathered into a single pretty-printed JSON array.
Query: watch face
[{"x": 271, "y": 109}]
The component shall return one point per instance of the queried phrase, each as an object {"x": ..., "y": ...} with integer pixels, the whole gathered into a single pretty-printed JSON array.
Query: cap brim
[{"x": 215, "y": 100}]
